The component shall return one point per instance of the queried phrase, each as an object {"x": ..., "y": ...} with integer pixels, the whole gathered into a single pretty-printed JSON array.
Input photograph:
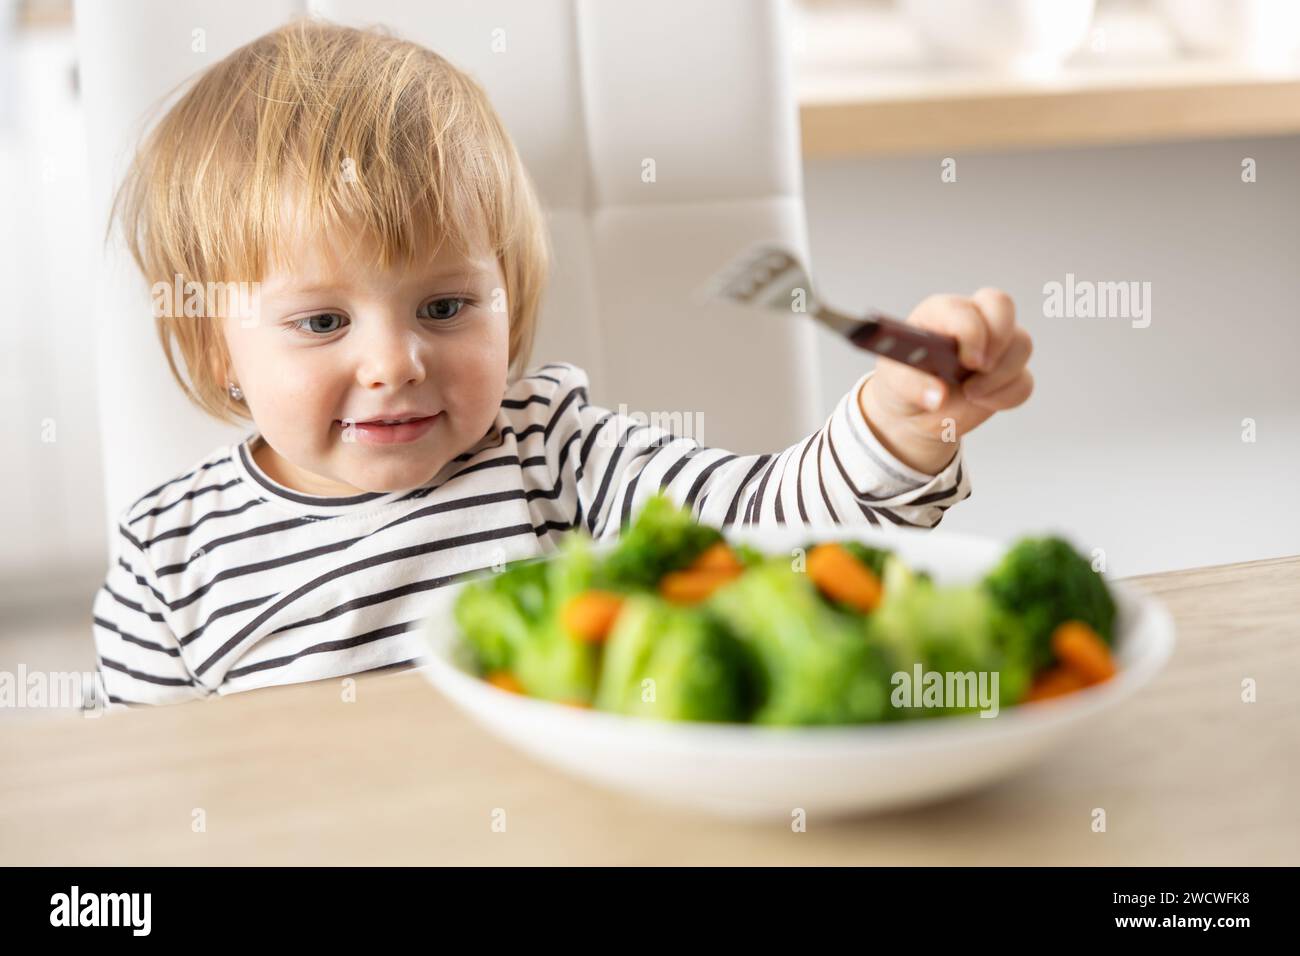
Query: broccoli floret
[
  {"x": 747, "y": 554},
  {"x": 554, "y": 666},
  {"x": 512, "y": 622},
  {"x": 811, "y": 661},
  {"x": 672, "y": 663},
  {"x": 497, "y": 612},
  {"x": 663, "y": 537},
  {"x": 1046, "y": 582},
  {"x": 949, "y": 630}
]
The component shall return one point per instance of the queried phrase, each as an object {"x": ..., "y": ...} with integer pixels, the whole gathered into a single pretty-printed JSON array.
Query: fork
[{"x": 769, "y": 276}]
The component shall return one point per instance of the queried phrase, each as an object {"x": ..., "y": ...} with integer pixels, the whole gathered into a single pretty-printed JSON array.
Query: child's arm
[
  {"x": 139, "y": 656},
  {"x": 607, "y": 465},
  {"x": 890, "y": 453}
]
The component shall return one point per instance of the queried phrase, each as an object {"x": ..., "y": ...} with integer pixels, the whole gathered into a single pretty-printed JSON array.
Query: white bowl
[
  {"x": 1014, "y": 34},
  {"x": 762, "y": 772}
]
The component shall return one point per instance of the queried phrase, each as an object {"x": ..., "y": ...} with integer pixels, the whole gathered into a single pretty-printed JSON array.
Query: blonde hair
[{"x": 357, "y": 126}]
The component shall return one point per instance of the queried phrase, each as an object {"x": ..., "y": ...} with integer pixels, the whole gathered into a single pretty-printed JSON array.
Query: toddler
[{"x": 367, "y": 192}]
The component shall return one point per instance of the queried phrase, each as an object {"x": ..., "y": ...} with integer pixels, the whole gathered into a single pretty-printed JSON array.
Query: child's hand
[{"x": 907, "y": 409}]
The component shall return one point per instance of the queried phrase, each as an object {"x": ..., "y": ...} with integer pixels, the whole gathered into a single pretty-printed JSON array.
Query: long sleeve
[
  {"x": 840, "y": 474},
  {"x": 140, "y": 658}
]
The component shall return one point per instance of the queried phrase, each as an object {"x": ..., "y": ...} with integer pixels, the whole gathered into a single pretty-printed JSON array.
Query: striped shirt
[{"x": 223, "y": 580}]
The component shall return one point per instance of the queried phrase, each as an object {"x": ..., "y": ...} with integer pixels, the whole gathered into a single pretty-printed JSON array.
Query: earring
[{"x": 236, "y": 393}]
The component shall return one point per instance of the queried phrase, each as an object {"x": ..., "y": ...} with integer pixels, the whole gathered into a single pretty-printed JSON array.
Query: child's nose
[{"x": 389, "y": 355}]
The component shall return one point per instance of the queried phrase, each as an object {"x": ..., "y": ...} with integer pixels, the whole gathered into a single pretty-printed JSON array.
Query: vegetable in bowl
[
  {"x": 674, "y": 622},
  {"x": 1046, "y": 583}
]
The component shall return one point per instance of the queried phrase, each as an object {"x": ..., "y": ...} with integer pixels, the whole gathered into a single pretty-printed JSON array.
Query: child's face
[{"x": 337, "y": 341}]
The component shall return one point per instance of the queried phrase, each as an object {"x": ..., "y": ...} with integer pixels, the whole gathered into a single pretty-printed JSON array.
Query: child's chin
[{"x": 391, "y": 480}]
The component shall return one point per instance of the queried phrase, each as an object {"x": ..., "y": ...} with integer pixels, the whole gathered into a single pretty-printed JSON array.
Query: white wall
[
  {"x": 51, "y": 484},
  {"x": 1133, "y": 439}
]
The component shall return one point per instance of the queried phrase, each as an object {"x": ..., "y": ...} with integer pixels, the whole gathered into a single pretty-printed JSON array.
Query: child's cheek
[{"x": 471, "y": 378}]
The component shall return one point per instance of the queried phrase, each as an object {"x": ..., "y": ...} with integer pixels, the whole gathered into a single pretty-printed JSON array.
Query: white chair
[{"x": 590, "y": 90}]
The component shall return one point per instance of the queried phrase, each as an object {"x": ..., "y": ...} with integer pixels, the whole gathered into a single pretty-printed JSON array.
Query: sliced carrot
[
  {"x": 590, "y": 615},
  {"x": 574, "y": 702},
  {"x": 842, "y": 577},
  {"x": 717, "y": 557},
  {"x": 505, "y": 681},
  {"x": 691, "y": 586},
  {"x": 1082, "y": 651},
  {"x": 1054, "y": 683}
]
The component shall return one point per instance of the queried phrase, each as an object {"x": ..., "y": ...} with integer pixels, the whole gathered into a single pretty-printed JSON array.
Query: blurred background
[{"x": 946, "y": 145}]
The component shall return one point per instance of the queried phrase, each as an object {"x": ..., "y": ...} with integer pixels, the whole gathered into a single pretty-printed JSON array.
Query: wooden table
[{"x": 1187, "y": 773}]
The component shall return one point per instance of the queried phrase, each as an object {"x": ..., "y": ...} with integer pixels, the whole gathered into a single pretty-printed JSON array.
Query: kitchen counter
[{"x": 1187, "y": 773}]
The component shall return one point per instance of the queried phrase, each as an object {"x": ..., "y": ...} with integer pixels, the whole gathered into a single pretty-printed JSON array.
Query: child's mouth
[{"x": 383, "y": 433}]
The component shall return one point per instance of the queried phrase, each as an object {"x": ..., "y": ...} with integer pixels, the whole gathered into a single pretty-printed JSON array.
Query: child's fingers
[
  {"x": 915, "y": 388},
  {"x": 962, "y": 319},
  {"x": 1008, "y": 368},
  {"x": 1016, "y": 392},
  {"x": 1000, "y": 314}
]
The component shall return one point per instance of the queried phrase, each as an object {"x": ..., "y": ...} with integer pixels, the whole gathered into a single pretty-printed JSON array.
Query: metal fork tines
[{"x": 769, "y": 277}]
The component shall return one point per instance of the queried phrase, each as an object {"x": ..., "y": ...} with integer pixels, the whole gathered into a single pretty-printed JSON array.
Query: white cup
[
  {"x": 1016, "y": 35},
  {"x": 1264, "y": 31}
]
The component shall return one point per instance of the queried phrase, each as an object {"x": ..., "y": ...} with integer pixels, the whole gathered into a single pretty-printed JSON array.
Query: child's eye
[
  {"x": 323, "y": 323},
  {"x": 442, "y": 309},
  {"x": 313, "y": 319}
]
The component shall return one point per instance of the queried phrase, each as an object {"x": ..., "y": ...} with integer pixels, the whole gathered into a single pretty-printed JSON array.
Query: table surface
[{"x": 1187, "y": 772}]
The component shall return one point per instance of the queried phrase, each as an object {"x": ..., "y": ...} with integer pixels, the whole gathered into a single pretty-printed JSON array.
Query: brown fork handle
[{"x": 927, "y": 351}]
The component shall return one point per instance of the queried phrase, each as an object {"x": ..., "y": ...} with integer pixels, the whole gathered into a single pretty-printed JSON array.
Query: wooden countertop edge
[
  {"x": 1043, "y": 119},
  {"x": 1164, "y": 580}
]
